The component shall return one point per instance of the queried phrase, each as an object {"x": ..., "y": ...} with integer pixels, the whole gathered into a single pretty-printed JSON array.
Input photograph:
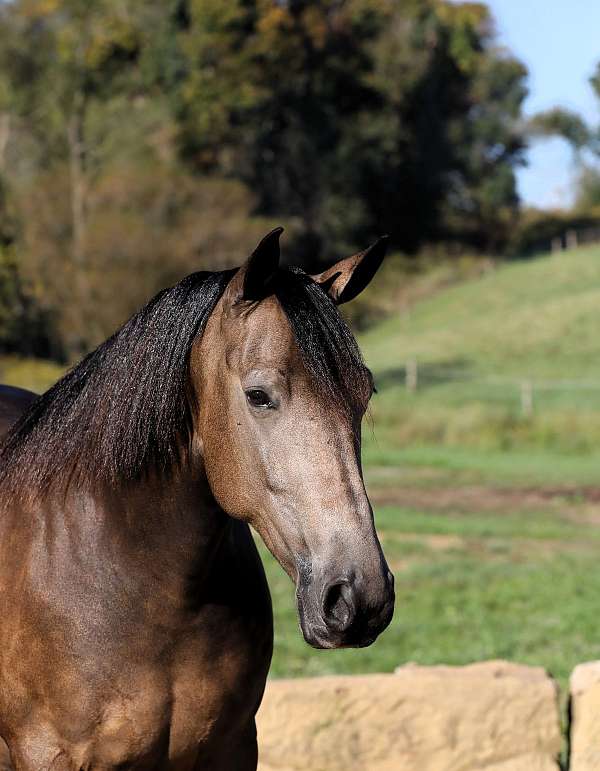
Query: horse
[
  {"x": 136, "y": 624},
  {"x": 13, "y": 401}
]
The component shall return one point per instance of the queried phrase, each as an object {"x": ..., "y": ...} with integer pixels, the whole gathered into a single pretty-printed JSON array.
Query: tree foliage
[
  {"x": 564, "y": 123},
  {"x": 359, "y": 117},
  {"x": 142, "y": 140},
  {"x": 584, "y": 140}
]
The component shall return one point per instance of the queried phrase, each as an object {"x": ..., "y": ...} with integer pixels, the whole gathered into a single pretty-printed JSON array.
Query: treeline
[{"x": 143, "y": 139}]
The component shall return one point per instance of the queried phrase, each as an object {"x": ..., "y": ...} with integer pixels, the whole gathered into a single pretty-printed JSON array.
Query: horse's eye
[{"x": 258, "y": 398}]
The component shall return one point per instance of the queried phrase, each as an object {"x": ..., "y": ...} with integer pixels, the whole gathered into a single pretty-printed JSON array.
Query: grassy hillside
[
  {"x": 477, "y": 343},
  {"x": 489, "y": 519},
  {"x": 539, "y": 318}
]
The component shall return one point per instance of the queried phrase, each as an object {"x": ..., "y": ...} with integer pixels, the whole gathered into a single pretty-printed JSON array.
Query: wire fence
[{"x": 418, "y": 376}]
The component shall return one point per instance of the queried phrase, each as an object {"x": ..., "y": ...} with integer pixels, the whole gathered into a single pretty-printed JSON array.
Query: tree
[
  {"x": 160, "y": 136},
  {"x": 453, "y": 115},
  {"x": 94, "y": 176},
  {"x": 353, "y": 117},
  {"x": 584, "y": 141},
  {"x": 273, "y": 90},
  {"x": 60, "y": 56},
  {"x": 564, "y": 123}
]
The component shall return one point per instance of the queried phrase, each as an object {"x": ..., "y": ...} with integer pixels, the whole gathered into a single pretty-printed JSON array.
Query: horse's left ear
[
  {"x": 262, "y": 266},
  {"x": 347, "y": 278}
]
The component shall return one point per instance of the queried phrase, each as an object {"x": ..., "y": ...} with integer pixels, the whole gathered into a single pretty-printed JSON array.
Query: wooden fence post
[
  {"x": 527, "y": 398},
  {"x": 412, "y": 375}
]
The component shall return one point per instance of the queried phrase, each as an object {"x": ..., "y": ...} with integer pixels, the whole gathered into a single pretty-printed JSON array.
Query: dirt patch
[
  {"x": 427, "y": 541},
  {"x": 428, "y": 544},
  {"x": 514, "y": 549},
  {"x": 484, "y": 498},
  {"x": 584, "y": 514}
]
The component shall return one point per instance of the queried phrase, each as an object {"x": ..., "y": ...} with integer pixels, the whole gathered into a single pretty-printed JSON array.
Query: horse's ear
[
  {"x": 347, "y": 278},
  {"x": 261, "y": 266}
]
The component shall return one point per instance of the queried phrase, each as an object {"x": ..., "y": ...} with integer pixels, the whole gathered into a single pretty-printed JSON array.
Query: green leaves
[
  {"x": 564, "y": 123},
  {"x": 344, "y": 119}
]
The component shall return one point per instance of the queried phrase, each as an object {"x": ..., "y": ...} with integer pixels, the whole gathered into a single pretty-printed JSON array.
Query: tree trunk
[
  {"x": 77, "y": 174},
  {"x": 4, "y": 137},
  {"x": 79, "y": 190}
]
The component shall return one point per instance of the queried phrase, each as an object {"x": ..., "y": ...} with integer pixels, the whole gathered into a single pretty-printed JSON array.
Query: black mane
[
  {"x": 329, "y": 351},
  {"x": 125, "y": 410}
]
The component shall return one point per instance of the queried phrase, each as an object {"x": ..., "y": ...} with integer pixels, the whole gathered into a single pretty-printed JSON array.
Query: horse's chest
[
  {"x": 138, "y": 695},
  {"x": 165, "y": 712},
  {"x": 214, "y": 695},
  {"x": 184, "y": 712},
  {"x": 124, "y": 675}
]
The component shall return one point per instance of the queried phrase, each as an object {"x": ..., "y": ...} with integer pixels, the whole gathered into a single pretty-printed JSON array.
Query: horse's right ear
[{"x": 261, "y": 266}]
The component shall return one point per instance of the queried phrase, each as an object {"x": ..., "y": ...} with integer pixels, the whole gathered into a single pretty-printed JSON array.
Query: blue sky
[{"x": 559, "y": 41}]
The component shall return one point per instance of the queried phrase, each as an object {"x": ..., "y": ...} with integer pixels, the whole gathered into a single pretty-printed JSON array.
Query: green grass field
[
  {"x": 476, "y": 342},
  {"x": 481, "y": 572},
  {"x": 489, "y": 519}
]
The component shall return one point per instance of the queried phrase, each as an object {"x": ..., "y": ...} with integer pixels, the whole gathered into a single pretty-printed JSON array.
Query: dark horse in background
[
  {"x": 13, "y": 402},
  {"x": 135, "y": 619}
]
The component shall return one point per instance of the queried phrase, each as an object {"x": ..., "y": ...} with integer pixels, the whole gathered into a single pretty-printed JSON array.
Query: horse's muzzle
[{"x": 345, "y": 612}]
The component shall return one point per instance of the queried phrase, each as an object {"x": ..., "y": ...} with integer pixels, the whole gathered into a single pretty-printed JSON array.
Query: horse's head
[{"x": 282, "y": 391}]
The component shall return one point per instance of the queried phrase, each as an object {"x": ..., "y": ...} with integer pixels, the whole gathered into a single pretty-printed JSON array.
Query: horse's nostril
[{"x": 338, "y": 606}]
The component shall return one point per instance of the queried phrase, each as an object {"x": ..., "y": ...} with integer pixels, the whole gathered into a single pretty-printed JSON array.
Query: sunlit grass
[
  {"x": 475, "y": 343},
  {"x": 522, "y": 587},
  {"x": 33, "y": 374}
]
